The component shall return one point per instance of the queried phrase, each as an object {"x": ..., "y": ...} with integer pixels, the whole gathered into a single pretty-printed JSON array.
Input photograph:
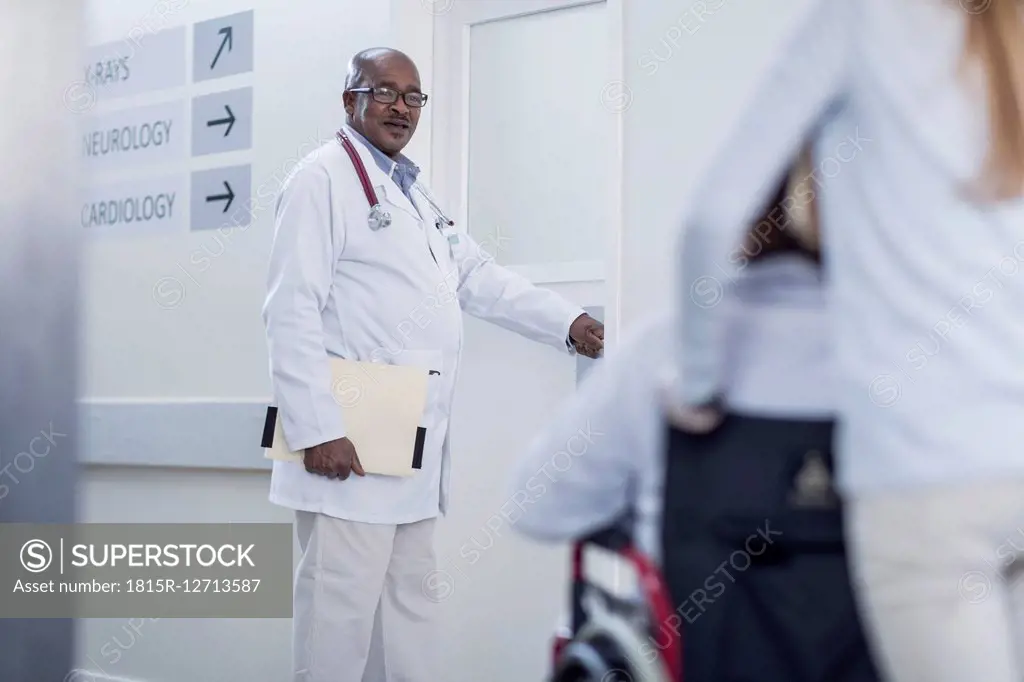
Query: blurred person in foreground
[
  {"x": 917, "y": 113},
  {"x": 711, "y": 506}
]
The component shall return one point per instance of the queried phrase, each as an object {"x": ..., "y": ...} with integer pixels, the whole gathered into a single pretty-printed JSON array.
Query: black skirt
[{"x": 753, "y": 552}]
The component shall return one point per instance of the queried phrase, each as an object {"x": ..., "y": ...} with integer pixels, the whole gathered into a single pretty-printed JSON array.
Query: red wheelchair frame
[{"x": 652, "y": 586}]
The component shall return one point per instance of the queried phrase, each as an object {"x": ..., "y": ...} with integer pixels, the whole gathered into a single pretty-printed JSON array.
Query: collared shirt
[
  {"x": 927, "y": 304},
  {"x": 401, "y": 170}
]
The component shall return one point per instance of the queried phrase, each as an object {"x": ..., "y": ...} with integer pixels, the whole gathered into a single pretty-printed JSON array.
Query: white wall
[
  {"x": 176, "y": 650},
  {"x": 211, "y": 345}
]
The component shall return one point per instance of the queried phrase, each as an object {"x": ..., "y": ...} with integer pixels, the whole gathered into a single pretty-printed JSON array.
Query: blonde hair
[{"x": 995, "y": 43}]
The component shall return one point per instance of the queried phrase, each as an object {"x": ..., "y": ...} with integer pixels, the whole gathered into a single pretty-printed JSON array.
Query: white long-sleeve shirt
[
  {"x": 602, "y": 455},
  {"x": 927, "y": 295}
]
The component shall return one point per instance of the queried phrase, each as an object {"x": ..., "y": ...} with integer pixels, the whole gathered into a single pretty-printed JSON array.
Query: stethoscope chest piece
[{"x": 379, "y": 218}]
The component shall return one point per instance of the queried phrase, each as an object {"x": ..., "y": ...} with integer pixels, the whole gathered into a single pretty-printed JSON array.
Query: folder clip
[{"x": 268, "y": 427}]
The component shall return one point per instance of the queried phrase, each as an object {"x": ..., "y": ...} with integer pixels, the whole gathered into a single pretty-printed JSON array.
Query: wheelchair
[{"x": 615, "y": 639}]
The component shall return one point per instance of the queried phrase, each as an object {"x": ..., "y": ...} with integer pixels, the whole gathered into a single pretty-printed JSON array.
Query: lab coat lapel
[
  {"x": 391, "y": 196},
  {"x": 422, "y": 206},
  {"x": 435, "y": 240},
  {"x": 388, "y": 193}
]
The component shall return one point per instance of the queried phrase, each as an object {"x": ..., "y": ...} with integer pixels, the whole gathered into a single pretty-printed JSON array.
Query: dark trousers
[{"x": 753, "y": 552}]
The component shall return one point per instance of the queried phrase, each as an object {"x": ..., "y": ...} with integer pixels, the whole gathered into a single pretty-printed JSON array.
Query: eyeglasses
[{"x": 390, "y": 96}]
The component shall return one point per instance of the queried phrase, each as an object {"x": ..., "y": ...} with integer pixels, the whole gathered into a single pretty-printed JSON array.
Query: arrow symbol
[
  {"x": 225, "y": 40},
  {"x": 229, "y": 121},
  {"x": 229, "y": 197}
]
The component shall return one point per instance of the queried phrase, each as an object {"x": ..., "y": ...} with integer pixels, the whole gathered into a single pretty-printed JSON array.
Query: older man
[{"x": 387, "y": 284}]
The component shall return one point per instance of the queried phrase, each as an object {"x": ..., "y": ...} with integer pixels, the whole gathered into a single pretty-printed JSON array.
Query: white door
[{"x": 525, "y": 152}]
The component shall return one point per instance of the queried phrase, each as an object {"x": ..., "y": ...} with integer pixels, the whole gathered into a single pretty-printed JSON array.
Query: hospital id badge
[
  {"x": 452, "y": 238},
  {"x": 450, "y": 235}
]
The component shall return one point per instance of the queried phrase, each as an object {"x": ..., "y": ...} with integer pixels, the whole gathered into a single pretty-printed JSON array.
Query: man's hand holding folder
[
  {"x": 382, "y": 407},
  {"x": 334, "y": 459}
]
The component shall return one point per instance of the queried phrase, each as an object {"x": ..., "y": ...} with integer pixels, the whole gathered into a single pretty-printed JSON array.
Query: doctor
[{"x": 366, "y": 266}]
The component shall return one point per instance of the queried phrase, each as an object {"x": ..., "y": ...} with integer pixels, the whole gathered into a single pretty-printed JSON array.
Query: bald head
[
  {"x": 364, "y": 65},
  {"x": 390, "y": 74}
]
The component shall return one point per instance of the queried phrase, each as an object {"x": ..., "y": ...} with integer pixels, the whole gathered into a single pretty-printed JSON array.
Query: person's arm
[
  {"x": 490, "y": 292},
  {"x": 302, "y": 260},
  {"x": 806, "y": 82},
  {"x": 581, "y": 471}
]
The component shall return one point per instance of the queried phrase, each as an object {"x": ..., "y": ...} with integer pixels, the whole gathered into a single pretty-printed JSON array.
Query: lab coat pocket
[
  {"x": 432, "y": 361},
  {"x": 441, "y": 247}
]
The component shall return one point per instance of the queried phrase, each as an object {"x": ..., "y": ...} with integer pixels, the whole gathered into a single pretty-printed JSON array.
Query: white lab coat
[{"x": 396, "y": 296}]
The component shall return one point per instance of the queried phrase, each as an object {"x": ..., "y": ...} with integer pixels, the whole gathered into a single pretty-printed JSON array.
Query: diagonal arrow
[
  {"x": 230, "y": 196},
  {"x": 226, "y": 40},
  {"x": 229, "y": 121}
]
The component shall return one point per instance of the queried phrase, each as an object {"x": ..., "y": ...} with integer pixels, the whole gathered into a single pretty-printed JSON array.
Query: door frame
[{"x": 419, "y": 26}]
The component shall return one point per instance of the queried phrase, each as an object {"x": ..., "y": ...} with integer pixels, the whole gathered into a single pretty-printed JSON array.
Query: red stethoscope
[{"x": 379, "y": 218}]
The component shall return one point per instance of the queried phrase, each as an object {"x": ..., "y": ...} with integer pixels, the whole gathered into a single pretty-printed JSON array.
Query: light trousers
[
  {"x": 362, "y": 612},
  {"x": 940, "y": 581}
]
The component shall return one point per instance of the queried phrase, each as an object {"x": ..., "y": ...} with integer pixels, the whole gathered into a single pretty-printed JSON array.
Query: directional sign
[
  {"x": 145, "y": 62},
  {"x": 222, "y": 47},
  {"x": 154, "y": 204},
  {"x": 221, "y": 197},
  {"x": 135, "y": 137},
  {"x": 222, "y": 122}
]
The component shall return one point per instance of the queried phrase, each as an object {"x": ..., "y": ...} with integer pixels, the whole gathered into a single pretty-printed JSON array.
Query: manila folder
[{"x": 381, "y": 407}]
